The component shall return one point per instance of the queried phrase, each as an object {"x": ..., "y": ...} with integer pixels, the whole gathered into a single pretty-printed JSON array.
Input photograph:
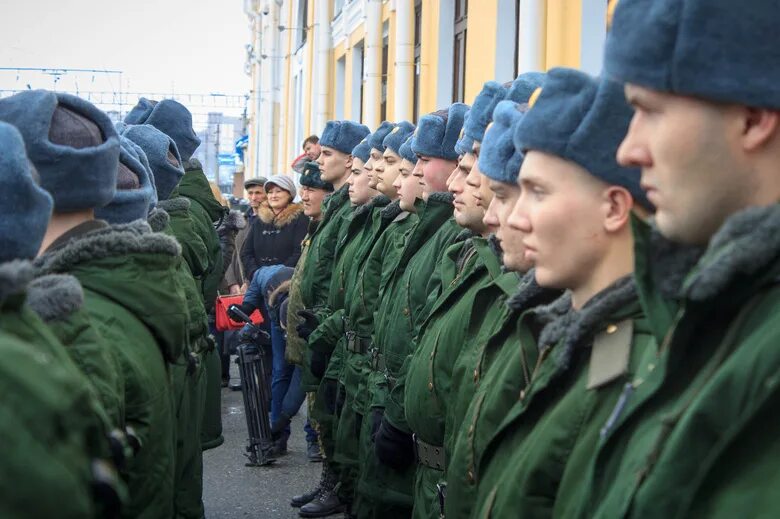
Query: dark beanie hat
[
  {"x": 582, "y": 119},
  {"x": 162, "y": 154},
  {"x": 25, "y": 208},
  {"x": 71, "y": 143},
  {"x": 343, "y": 135},
  {"x": 135, "y": 188},
  {"x": 398, "y": 136},
  {"x": 170, "y": 117},
  {"x": 311, "y": 177},
  {"x": 363, "y": 150},
  {"x": 376, "y": 139}
]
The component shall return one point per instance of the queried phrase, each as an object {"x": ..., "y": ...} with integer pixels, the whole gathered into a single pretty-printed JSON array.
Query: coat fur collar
[
  {"x": 14, "y": 278},
  {"x": 285, "y": 217},
  {"x": 158, "y": 219},
  {"x": 117, "y": 240},
  {"x": 172, "y": 205},
  {"x": 576, "y": 328},
  {"x": 55, "y": 297},
  {"x": 747, "y": 244}
]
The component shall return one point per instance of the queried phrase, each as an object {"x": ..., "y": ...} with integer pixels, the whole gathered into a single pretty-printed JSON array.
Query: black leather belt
[{"x": 431, "y": 456}]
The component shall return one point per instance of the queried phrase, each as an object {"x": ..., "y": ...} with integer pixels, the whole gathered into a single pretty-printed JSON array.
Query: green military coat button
[
  {"x": 612, "y": 328},
  {"x": 406, "y": 311},
  {"x": 522, "y": 394},
  {"x": 430, "y": 386},
  {"x": 476, "y": 375},
  {"x": 471, "y": 476}
]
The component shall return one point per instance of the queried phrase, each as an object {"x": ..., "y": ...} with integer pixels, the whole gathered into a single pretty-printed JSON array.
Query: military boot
[
  {"x": 299, "y": 501},
  {"x": 327, "y": 501}
]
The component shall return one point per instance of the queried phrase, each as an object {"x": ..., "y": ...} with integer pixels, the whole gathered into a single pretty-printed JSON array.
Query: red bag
[{"x": 224, "y": 322}]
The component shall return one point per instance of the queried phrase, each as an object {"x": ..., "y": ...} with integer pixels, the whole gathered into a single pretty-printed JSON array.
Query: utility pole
[{"x": 216, "y": 176}]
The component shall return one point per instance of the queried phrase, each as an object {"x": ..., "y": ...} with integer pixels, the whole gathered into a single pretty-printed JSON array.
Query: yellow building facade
[{"x": 371, "y": 60}]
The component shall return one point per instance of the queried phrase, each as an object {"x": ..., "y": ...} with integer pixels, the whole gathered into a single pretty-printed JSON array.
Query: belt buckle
[
  {"x": 441, "y": 491},
  {"x": 350, "y": 335}
]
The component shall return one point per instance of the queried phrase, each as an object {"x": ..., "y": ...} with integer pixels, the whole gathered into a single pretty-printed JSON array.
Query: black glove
[
  {"x": 377, "y": 413},
  {"x": 394, "y": 447},
  {"x": 319, "y": 364},
  {"x": 308, "y": 324}
]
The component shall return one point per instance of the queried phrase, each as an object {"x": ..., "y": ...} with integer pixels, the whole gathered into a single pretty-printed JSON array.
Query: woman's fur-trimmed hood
[{"x": 284, "y": 218}]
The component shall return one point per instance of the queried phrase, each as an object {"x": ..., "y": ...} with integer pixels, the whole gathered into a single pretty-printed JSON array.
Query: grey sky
[{"x": 194, "y": 46}]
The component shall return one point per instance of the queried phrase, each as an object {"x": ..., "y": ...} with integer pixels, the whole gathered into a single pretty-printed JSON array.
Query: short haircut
[{"x": 313, "y": 139}]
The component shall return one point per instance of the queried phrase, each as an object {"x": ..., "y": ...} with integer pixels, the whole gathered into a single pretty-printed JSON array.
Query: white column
[
  {"x": 266, "y": 106},
  {"x": 373, "y": 66},
  {"x": 404, "y": 59},
  {"x": 321, "y": 64},
  {"x": 531, "y": 35},
  {"x": 258, "y": 95}
]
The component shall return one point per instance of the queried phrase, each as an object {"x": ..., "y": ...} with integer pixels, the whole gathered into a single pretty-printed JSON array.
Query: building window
[
  {"x": 341, "y": 72},
  {"x": 383, "y": 83},
  {"x": 337, "y": 8},
  {"x": 459, "y": 51},
  {"x": 417, "y": 53},
  {"x": 357, "y": 82},
  {"x": 300, "y": 23}
]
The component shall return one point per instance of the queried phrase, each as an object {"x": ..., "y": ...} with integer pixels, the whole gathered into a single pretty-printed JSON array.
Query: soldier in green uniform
[
  {"x": 695, "y": 433},
  {"x": 174, "y": 120},
  {"x": 575, "y": 209},
  {"x": 386, "y": 490},
  {"x": 476, "y": 290},
  {"x": 158, "y": 152},
  {"x": 127, "y": 272},
  {"x": 376, "y": 150},
  {"x": 338, "y": 140},
  {"x": 53, "y": 425}
]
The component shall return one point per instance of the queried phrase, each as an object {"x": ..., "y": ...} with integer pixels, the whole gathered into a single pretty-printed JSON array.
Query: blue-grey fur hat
[
  {"x": 525, "y": 85},
  {"x": 363, "y": 150},
  {"x": 156, "y": 145},
  {"x": 405, "y": 151},
  {"x": 130, "y": 204},
  {"x": 499, "y": 158},
  {"x": 398, "y": 136},
  {"x": 311, "y": 177},
  {"x": 343, "y": 135},
  {"x": 482, "y": 110},
  {"x": 376, "y": 140},
  {"x": 76, "y": 178},
  {"x": 465, "y": 143},
  {"x": 711, "y": 49},
  {"x": 25, "y": 208},
  {"x": 170, "y": 117},
  {"x": 436, "y": 134},
  {"x": 582, "y": 119}
]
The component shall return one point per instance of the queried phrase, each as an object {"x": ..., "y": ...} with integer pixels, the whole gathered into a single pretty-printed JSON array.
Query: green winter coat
[
  {"x": 296, "y": 350},
  {"x": 329, "y": 337},
  {"x": 133, "y": 297},
  {"x": 451, "y": 327},
  {"x": 206, "y": 213},
  {"x": 359, "y": 322},
  {"x": 316, "y": 273},
  {"x": 188, "y": 383},
  {"x": 52, "y": 424},
  {"x": 696, "y": 434},
  {"x": 533, "y": 464},
  {"x": 404, "y": 299},
  {"x": 506, "y": 352},
  {"x": 58, "y": 301}
]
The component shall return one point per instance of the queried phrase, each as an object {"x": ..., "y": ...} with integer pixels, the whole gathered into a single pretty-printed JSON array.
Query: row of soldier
[
  {"x": 558, "y": 301},
  {"x": 111, "y": 261},
  {"x": 555, "y": 302}
]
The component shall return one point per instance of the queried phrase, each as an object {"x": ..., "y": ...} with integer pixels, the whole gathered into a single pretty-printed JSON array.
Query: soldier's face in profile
[
  {"x": 409, "y": 185},
  {"x": 334, "y": 164},
  {"x": 434, "y": 172},
  {"x": 561, "y": 213},
  {"x": 386, "y": 172},
  {"x": 372, "y": 165},
  {"x": 497, "y": 216},
  {"x": 360, "y": 191},
  {"x": 689, "y": 152},
  {"x": 465, "y": 187}
]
